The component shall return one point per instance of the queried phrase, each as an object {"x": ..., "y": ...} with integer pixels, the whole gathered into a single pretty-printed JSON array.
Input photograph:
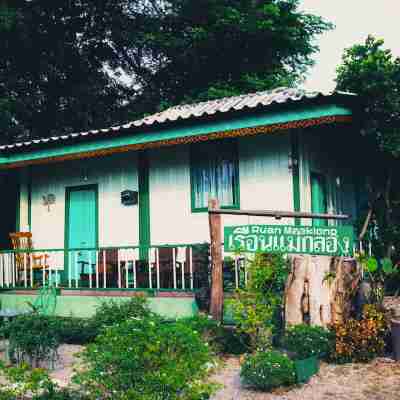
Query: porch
[
  {"x": 162, "y": 268},
  {"x": 168, "y": 275}
]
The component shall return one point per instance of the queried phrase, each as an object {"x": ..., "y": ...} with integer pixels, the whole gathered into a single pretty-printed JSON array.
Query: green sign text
[{"x": 329, "y": 240}]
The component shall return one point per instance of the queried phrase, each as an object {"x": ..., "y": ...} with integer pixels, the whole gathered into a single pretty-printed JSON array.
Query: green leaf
[
  {"x": 372, "y": 264},
  {"x": 387, "y": 266}
]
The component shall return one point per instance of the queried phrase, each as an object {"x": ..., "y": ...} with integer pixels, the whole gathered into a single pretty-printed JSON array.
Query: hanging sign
[{"x": 326, "y": 240}]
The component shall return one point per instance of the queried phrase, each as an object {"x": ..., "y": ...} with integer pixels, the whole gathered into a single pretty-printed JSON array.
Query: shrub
[
  {"x": 82, "y": 331},
  {"x": 112, "y": 312},
  {"x": 22, "y": 382},
  {"x": 256, "y": 309},
  {"x": 208, "y": 329},
  {"x": 268, "y": 370},
  {"x": 306, "y": 341},
  {"x": 32, "y": 338},
  {"x": 73, "y": 330},
  {"x": 221, "y": 339},
  {"x": 361, "y": 340},
  {"x": 143, "y": 358}
]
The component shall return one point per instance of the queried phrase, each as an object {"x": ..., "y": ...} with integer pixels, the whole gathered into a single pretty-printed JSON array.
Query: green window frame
[{"x": 208, "y": 160}]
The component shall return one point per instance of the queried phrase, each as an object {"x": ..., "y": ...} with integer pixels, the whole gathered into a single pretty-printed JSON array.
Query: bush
[
  {"x": 305, "y": 341},
  {"x": 32, "y": 338},
  {"x": 268, "y": 370},
  {"x": 256, "y": 309},
  {"x": 361, "y": 340},
  {"x": 22, "y": 382},
  {"x": 82, "y": 331},
  {"x": 112, "y": 312},
  {"x": 222, "y": 340},
  {"x": 143, "y": 358},
  {"x": 73, "y": 330}
]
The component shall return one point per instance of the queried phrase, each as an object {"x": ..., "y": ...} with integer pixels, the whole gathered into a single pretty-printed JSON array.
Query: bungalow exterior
[{"x": 116, "y": 211}]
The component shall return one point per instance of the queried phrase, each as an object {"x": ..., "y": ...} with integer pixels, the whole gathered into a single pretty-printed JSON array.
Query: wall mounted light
[
  {"x": 49, "y": 200},
  {"x": 292, "y": 162}
]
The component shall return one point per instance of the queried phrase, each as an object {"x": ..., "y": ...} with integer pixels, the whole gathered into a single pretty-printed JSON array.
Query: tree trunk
[{"x": 319, "y": 289}]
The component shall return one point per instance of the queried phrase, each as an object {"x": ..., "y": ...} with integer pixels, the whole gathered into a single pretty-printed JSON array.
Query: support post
[{"x": 217, "y": 291}]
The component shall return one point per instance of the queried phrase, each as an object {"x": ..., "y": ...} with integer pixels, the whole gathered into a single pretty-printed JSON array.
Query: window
[
  {"x": 214, "y": 174},
  {"x": 318, "y": 197}
]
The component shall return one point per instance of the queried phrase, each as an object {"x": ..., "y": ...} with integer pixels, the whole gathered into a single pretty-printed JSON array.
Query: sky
[{"x": 354, "y": 20}]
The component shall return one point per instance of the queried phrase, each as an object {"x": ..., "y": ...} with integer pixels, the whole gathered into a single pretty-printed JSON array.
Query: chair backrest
[{"x": 21, "y": 241}]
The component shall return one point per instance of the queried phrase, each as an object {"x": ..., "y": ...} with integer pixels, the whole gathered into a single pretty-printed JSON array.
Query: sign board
[{"x": 321, "y": 240}]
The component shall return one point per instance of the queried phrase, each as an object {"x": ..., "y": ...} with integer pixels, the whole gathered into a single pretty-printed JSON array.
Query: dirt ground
[
  {"x": 378, "y": 380},
  {"x": 64, "y": 366},
  {"x": 66, "y": 362}
]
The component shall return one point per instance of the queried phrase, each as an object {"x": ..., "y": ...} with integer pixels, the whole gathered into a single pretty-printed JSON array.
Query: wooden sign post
[
  {"x": 288, "y": 239},
  {"x": 217, "y": 290}
]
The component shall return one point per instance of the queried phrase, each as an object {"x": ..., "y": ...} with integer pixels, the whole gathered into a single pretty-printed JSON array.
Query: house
[{"x": 104, "y": 205}]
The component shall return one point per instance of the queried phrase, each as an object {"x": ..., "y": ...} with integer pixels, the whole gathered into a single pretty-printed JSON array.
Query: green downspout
[
  {"x": 144, "y": 205},
  {"x": 18, "y": 209},
  {"x": 30, "y": 200},
  {"x": 294, "y": 137}
]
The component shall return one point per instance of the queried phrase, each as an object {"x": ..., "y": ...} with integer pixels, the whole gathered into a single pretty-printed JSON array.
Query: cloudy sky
[{"x": 354, "y": 20}]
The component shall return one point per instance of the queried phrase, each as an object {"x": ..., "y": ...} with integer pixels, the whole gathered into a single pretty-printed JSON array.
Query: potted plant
[{"x": 306, "y": 345}]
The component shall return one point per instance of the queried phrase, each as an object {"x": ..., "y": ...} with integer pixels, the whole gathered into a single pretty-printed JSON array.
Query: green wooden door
[
  {"x": 318, "y": 197},
  {"x": 82, "y": 229}
]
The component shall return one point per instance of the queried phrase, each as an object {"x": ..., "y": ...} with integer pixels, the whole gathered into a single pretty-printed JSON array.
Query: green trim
[
  {"x": 295, "y": 154},
  {"x": 30, "y": 199},
  {"x": 249, "y": 121},
  {"x": 194, "y": 156},
  {"x": 18, "y": 207},
  {"x": 68, "y": 191},
  {"x": 144, "y": 205}
]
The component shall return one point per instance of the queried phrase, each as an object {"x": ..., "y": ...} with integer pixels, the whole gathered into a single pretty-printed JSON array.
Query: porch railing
[{"x": 175, "y": 267}]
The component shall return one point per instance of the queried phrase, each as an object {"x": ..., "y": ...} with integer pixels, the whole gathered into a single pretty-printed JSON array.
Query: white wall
[
  {"x": 118, "y": 224},
  {"x": 265, "y": 183}
]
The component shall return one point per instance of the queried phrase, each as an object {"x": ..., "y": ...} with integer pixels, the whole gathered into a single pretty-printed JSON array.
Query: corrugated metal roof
[{"x": 188, "y": 111}]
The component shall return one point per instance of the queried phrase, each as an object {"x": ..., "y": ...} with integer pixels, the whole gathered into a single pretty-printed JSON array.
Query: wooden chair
[{"x": 21, "y": 241}]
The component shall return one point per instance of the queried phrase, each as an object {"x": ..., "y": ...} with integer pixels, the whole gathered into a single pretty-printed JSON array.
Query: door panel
[
  {"x": 82, "y": 227},
  {"x": 318, "y": 198}
]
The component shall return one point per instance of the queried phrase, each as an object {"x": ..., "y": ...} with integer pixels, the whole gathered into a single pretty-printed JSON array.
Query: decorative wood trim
[{"x": 266, "y": 129}]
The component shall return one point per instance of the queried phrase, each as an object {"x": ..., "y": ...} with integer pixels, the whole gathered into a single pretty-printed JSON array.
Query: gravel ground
[
  {"x": 378, "y": 380},
  {"x": 64, "y": 367},
  {"x": 66, "y": 363}
]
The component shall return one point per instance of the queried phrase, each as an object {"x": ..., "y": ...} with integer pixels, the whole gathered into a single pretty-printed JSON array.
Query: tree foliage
[
  {"x": 372, "y": 71},
  {"x": 52, "y": 68},
  {"x": 62, "y": 62},
  {"x": 202, "y": 49}
]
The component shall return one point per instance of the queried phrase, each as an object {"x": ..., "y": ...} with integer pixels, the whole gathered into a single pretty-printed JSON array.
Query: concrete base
[{"x": 76, "y": 304}]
